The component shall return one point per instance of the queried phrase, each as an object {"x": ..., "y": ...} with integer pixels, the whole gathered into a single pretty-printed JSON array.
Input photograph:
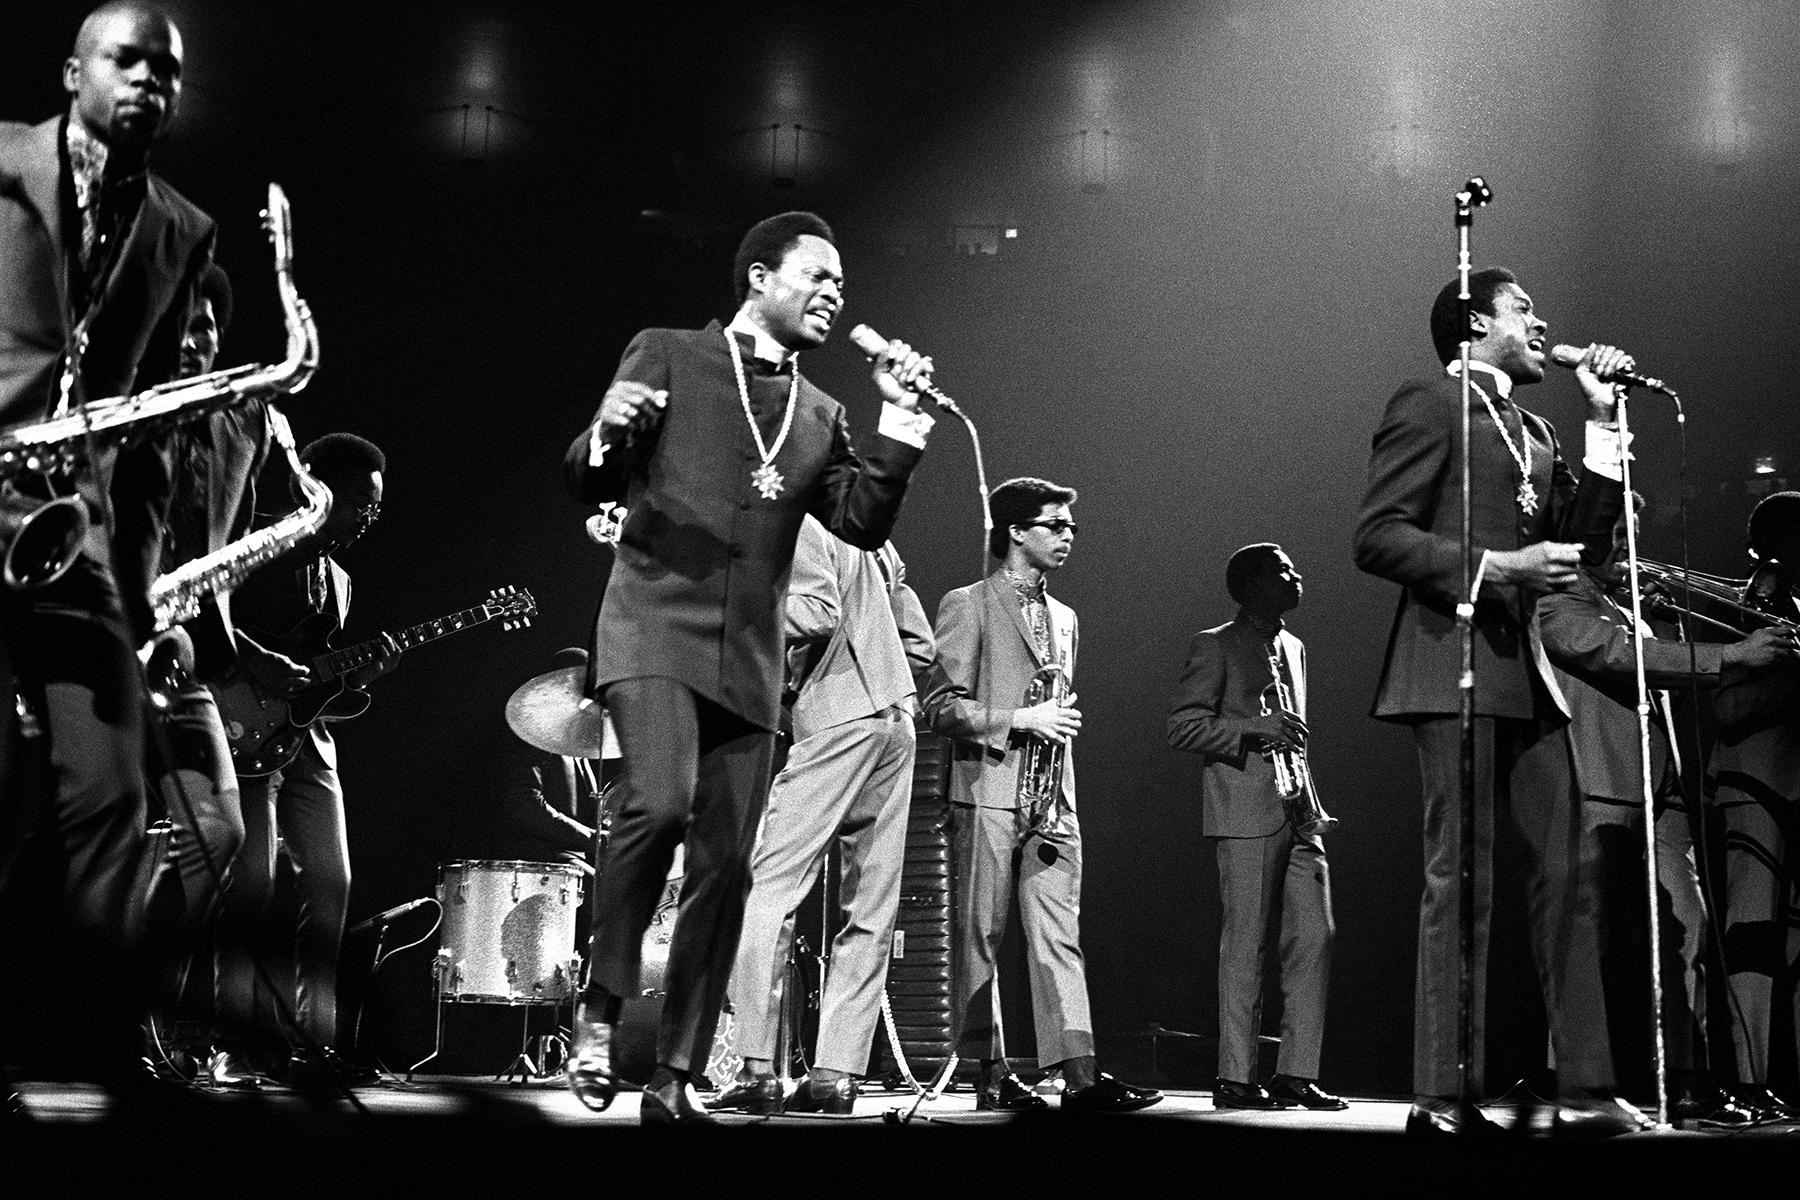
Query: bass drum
[{"x": 634, "y": 1043}]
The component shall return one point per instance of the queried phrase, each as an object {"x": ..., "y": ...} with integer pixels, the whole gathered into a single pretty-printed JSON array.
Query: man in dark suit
[
  {"x": 993, "y": 638},
  {"x": 857, "y": 637},
  {"x": 99, "y": 264},
  {"x": 1523, "y": 500},
  {"x": 1586, "y": 632},
  {"x": 1227, "y": 708},
  {"x": 718, "y": 448}
]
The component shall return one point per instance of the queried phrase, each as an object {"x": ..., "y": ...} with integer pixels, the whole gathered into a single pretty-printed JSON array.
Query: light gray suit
[
  {"x": 987, "y": 658},
  {"x": 853, "y": 627}
]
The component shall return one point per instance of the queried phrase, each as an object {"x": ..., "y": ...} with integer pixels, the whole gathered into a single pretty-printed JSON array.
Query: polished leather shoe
[
  {"x": 1306, "y": 1093},
  {"x": 1596, "y": 1118},
  {"x": 836, "y": 1098},
  {"x": 1009, "y": 1094},
  {"x": 757, "y": 1094},
  {"x": 1228, "y": 1093},
  {"x": 1712, "y": 1108},
  {"x": 226, "y": 1070},
  {"x": 1445, "y": 1118},
  {"x": 590, "y": 1065},
  {"x": 674, "y": 1104},
  {"x": 1107, "y": 1094},
  {"x": 1767, "y": 1106}
]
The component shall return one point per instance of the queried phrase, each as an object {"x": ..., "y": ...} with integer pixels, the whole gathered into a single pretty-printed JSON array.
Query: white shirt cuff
[
  {"x": 1605, "y": 452},
  {"x": 907, "y": 425},
  {"x": 596, "y": 447}
]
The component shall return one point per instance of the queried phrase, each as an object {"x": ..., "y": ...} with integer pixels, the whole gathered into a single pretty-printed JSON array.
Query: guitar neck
[{"x": 336, "y": 663}]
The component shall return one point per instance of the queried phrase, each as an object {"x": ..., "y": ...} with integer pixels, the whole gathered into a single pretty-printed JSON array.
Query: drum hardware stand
[{"x": 440, "y": 967}]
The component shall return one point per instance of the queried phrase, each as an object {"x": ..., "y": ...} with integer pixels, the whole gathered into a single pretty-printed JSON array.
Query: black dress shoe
[
  {"x": 590, "y": 1065},
  {"x": 1009, "y": 1094},
  {"x": 836, "y": 1098},
  {"x": 1767, "y": 1106},
  {"x": 1442, "y": 1118},
  {"x": 1305, "y": 1093},
  {"x": 758, "y": 1094},
  {"x": 1107, "y": 1094},
  {"x": 1711, "y": 1108},
  {"x": 1595, "y": 1118},
  {"x": 675, "y": 1104},
  {"x": 1228, "y": 1093}
]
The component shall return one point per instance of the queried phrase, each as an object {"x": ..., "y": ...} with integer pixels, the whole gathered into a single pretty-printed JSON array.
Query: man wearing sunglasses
[{"x": 993, "y": 638}]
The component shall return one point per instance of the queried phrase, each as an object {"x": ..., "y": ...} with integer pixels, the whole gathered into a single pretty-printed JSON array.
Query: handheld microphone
[
  {"x": 874, "y": 346},
  {"x": 392, "y": 914},
  {"x": 1571, "y": 356}
]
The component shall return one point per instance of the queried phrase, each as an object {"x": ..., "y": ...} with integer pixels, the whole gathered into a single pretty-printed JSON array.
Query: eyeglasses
[{"x": 1056, "y": 526}]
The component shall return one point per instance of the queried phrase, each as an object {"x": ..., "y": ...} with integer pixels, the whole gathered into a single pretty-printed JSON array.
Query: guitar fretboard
[{"x": 338, "y": 662}]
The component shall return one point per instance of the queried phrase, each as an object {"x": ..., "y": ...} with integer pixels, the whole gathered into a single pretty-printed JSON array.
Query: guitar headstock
[
  {"x": 279, "y": 221},
  {"x": 511, "y": 606}
]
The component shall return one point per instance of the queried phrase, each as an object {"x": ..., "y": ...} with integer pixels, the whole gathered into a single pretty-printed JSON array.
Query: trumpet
[
  {"x": 1041, "y": 761},
  {"x": 1293, "y": 778},
  {"x": 40, "y": 537}
]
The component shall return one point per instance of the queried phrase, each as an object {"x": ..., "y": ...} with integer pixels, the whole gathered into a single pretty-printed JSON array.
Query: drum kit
[{"x": 509, "y": 927}]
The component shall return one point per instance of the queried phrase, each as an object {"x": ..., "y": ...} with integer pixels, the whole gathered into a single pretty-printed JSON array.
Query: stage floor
[{"x": 466, "y": 1132}]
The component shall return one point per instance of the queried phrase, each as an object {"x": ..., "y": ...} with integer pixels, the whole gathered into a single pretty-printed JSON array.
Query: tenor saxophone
[
  {"x": 177, "y": 596},
  {"x": 41, "y": 538}
]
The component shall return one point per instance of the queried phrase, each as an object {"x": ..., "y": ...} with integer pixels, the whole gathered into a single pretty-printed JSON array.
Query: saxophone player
[
  {"x": 99, "y": 252},
  {"x": 993, "y": 637},
  {"x": 1241, "y": 705}
]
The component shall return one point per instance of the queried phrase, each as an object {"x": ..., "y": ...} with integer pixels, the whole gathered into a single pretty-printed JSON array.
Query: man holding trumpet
[{"x": 994, "y": 638}]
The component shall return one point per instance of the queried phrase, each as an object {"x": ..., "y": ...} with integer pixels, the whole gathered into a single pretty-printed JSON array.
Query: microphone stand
[
  {"x": 987, "y": 517},
  {"x": 1475, "y": 194},
  {"x": 1649, "y": 798}
]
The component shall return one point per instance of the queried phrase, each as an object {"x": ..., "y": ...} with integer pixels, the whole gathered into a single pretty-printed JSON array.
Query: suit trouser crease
[
  {"x": 991, "y": 867},
  {"x": 696, "y": 776},
  {"x": 1260, "y": 879},
  {"x": 1531, "y": 774},
  {"x": 850, "y": 783}
]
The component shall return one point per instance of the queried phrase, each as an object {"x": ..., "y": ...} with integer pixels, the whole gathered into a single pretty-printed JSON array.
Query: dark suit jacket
[
  {"x": 542, "y": 810},
  {"x": 1221, "y": 688},
  {"x": 986, "y": 659},
  {"x": 1588, "y": 640},
  {"x": 1409, "y": 529},
  {"x": 703, "y": 559},
  {"x": 134, "y": 340}
]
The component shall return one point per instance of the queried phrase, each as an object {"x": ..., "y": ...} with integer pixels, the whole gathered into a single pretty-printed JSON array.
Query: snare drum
[{"x": 509, "y": 932}]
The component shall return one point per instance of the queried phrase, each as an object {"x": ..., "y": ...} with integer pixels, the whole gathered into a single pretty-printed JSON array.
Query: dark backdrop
[{"x": 1230, "y": 219}]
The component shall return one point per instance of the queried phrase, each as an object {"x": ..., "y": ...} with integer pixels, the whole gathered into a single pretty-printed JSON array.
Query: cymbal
[{"x": 551, "y": 713}]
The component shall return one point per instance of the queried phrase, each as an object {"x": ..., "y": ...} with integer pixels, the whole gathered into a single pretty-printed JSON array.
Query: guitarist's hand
[
  {"x": 273, "y": 674},
  {"x": 386, "y": 659}
]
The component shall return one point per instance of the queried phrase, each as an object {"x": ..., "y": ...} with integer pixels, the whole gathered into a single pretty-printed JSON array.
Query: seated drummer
[{"x": 544, "y": 807}]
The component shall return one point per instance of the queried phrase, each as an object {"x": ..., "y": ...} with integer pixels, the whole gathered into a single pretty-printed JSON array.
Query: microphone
[
  {"x": 1571, "y": 356},
  {"x": 391, "y": 915},
  {"x": 874, "y": 346}
]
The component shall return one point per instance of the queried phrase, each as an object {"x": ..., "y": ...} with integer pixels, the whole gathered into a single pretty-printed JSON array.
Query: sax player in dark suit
[
  {"x": 100, "y": 261},
  {"x": 1269, "y": 847}
]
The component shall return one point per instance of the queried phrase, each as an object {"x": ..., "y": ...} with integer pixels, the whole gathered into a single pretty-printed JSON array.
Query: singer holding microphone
[
  {"x": 1530, "y": 521},
  {"x": 718, "y": 447}
]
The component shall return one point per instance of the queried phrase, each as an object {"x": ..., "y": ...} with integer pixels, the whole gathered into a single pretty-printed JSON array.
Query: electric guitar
[{"x": 265, "y": 732}]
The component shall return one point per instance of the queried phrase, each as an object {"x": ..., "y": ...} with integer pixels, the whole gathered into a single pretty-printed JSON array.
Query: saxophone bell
[{"x": 41, "y": 539}]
